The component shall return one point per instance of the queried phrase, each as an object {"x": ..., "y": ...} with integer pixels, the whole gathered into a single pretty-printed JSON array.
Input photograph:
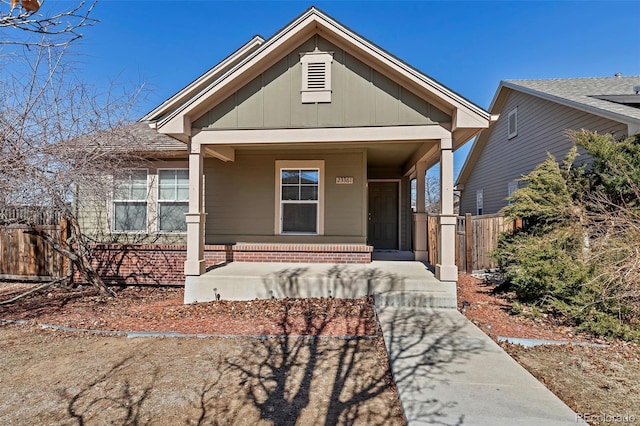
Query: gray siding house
[{"x": 534, "y": 116}]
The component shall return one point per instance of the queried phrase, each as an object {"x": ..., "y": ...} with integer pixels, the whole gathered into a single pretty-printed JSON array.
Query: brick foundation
[{"x": 164, "y": 263}]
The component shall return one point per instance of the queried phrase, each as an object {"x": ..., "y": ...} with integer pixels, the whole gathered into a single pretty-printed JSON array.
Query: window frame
[
  {"x": 479, "y": 202},
  {"x": 159, "y": 200},
  {"x": 281, "y": 165},
  {"x": 512, "y": 132},
  {"x": 115, "y": 200},
  {"x": 512, "y": 186}
]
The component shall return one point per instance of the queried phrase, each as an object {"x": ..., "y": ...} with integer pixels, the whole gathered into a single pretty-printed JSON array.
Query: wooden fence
[
  {"x": 476, "y": 237},
  {"x": 24, "y": 256}
]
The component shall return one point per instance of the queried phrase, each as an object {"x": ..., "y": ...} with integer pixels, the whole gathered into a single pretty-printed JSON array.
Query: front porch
[{"x": 393, "y": 283}]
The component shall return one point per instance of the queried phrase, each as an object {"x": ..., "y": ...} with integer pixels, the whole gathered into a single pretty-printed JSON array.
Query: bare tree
[
  {"x": 59, "y": 137},
  {"x": 56, "y": 24}
]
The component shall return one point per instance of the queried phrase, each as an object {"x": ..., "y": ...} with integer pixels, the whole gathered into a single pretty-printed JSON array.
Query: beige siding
[
  {"x": 241, "y": 202},
  {"x": 95, "y": 210},
  {"x": 360, "y": 97},
  {"x": 541, "y": 128}
]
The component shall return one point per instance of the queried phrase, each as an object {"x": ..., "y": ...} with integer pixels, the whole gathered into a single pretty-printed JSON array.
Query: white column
[
  {"x": 446, "y": 269},
  {"x": 195, "y": 263},
  {"x": 420, "y": 249}
]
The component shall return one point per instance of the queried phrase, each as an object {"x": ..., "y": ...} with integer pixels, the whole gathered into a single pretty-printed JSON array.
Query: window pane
[
  {"x": 291, "y": 176},
  {"x": 167, "y": 193},
  {"x": 309, "y": 176},
  {"x": 309, "y": 193},
  {"x": 299, "y": 217},
  {"x": 138, "y": 177},
  {"x": 171, "y": 217},
  {"x": 291, "y": 192},
  {"x": 182, "y": 177},
  {"x": 132, "y": 186},
  {"x": 138, "y": 193},
  {"x": 166, "y": 177},
  {"x": 130, "y": 216},
  {"x": 183, "y": 193}
]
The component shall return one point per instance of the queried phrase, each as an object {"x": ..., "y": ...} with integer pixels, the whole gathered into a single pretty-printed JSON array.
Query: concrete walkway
[{"x": 449, "y": 372}]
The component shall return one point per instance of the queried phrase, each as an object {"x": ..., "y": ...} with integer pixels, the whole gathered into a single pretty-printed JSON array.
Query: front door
[{"x": 383, "y": 215}]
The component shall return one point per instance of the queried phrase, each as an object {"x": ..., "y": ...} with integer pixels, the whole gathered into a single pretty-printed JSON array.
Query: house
[
  {"x": 534, "y": 116},
  {"x": 300, "y": 148}
]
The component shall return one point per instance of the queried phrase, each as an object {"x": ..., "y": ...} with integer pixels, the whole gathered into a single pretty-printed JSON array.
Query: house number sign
[{"x": 344, "y": 180}]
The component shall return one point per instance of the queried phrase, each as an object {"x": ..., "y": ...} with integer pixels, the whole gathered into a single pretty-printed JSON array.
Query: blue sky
[{"x": 467, "y": 46}]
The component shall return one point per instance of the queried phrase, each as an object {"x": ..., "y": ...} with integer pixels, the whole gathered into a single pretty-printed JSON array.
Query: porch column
[
  {"x": 195, "y": 263},
  {"x": 446, "y": 269},
  {"x": 420, "y": 216}
]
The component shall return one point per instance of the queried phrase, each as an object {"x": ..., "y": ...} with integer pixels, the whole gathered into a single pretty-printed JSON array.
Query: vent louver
[{"x": 316, "y": 77}]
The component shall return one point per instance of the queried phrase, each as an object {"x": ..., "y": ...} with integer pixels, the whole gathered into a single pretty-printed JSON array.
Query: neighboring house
[
  {"x": 301, "y": 148},
  {"x": 534, "y": 118}
]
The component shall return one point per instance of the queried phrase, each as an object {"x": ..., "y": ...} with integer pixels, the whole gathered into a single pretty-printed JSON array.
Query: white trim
[
  {"x": 312, "y": 135},
  {"x": 311, "y": 60},
  {"x": 399, "y": 182},
  {"x": 299, "y": 164}
]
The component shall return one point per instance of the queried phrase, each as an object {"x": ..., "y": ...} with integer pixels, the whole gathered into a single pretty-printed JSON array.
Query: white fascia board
[
  {"x": 181, "y": 96},
  {"x": 320, "y": 135}
]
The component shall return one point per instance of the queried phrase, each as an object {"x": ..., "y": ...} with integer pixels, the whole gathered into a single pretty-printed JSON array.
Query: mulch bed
[
  {"x": 161, "y": 309},
  {"x": 491, "y": 311}
]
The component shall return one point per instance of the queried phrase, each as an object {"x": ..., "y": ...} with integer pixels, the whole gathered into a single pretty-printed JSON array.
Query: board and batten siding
[
  {"x": 240, "y": 198},
  {"x": 360, "y": 96},
  {"x": 542, "y": 127}
]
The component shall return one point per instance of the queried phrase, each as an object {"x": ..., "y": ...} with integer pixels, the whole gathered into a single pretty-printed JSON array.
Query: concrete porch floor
[{"x": 393, "y": 283}]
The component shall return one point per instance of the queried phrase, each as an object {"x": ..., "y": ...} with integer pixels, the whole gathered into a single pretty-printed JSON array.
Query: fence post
[
  {"x": 468, "y": 244},
  {"x": 64, "y": 232}
]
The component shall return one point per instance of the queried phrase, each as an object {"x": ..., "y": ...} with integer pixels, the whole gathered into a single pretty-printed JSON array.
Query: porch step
[
  {"x": 392, "y": 283},
  {"x": 416, "y": 299}
]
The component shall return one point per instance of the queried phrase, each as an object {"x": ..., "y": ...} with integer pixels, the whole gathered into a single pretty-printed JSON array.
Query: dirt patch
[
  {"x": 49, "y": 377},
  {"x": 317, "y": 361},
  {"x": 600, "y": 384}
]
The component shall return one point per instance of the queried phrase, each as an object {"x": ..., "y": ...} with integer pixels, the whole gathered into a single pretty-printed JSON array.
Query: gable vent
[{"x": 316, "y": 76}]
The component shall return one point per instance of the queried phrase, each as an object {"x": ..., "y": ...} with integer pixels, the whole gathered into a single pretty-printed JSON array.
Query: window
[
  {"x": 173, "y": 200},
  {"x": 512, "y": 187},
  {"x": 512, "y": 123},
  {"x": 316, "y": 76},
  {"x": 300, "y": 196},
  {"x": 130, "y": 202},
  {"x": 479, "y": 201}
]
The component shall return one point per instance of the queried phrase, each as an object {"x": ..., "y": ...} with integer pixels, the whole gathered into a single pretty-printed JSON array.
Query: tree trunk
[{"x": 77, "y": 253}]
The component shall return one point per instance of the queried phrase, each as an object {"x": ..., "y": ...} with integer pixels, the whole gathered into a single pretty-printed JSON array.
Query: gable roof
[
  {"x": 580, "y": 93},
  {"x": 169, "y": 117},
  {"x": 601, "y": 96}
]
